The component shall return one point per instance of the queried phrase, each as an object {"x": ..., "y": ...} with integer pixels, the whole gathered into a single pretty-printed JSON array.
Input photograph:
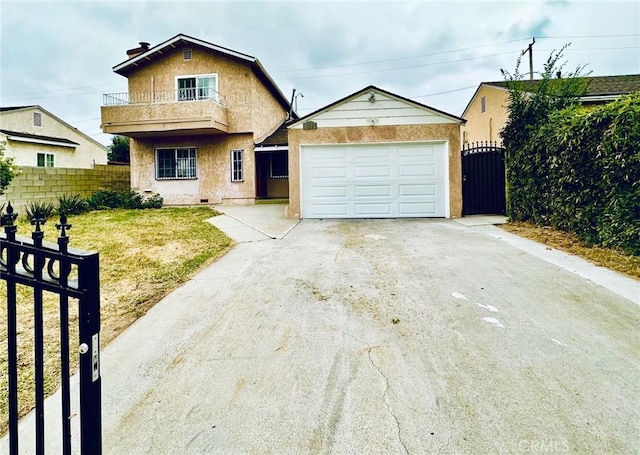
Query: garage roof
[{"x": 376, "y": 90}]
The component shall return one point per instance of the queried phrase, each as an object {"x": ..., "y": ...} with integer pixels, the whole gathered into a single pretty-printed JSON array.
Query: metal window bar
[{"x": 31, "y": 263}]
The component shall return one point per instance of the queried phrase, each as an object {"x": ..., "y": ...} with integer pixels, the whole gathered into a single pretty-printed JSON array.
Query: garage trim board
[{"x": 375, "y": 180}]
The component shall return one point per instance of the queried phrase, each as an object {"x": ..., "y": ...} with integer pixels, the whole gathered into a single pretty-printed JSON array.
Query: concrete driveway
[{"x": 378, "y": 337}]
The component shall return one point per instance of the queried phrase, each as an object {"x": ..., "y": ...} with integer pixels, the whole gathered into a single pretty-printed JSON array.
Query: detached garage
[{"x": 374, "y": 154}]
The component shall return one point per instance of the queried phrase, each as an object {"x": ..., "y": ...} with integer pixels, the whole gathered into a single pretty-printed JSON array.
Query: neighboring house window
[
  {"x": 204, "y": 87},
  {"x": 37, "y": 119},
  {"x": 236, "y": 166},
  {"x": 176, "y": 163},
  {"x": 279, "y": 168},
  {"x": 186, "y": 54},
  {"x": 483, "y": 105},
  {"x": 46, "y": 160}
]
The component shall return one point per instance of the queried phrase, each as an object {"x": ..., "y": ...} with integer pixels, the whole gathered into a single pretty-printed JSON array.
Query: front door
[{"x": 262, "y": 174}]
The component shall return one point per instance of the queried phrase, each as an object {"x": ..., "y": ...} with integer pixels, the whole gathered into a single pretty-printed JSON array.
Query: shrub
[
  {"x": 152, "y": 202},
  {"x": 71, "y": 205},
  {"x": 128, "y": 199},
  {"x": 39, "y": 210}
]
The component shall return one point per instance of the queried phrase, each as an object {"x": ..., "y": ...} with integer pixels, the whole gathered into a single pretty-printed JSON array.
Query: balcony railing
[{"x": 163, "y": 96}]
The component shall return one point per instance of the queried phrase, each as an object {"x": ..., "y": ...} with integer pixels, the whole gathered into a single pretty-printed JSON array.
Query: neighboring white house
[{"x": 35, "y": 137}]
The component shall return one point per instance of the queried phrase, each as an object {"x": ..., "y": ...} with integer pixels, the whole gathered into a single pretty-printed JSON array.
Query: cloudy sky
[{"x": 60, "y": 54}]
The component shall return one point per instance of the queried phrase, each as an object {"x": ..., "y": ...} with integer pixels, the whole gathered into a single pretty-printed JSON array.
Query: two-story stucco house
[
  {"x": 200, "y": 117},
  {"x": 35, "y": 137},
  {"x": 487, "y": 111}
]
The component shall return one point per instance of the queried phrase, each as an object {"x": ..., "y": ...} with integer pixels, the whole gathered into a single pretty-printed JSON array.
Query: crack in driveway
[{"x": 385, "y": 396}]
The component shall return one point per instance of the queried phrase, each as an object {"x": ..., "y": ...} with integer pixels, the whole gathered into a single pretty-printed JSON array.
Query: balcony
[{"x": 189, "y": 111}]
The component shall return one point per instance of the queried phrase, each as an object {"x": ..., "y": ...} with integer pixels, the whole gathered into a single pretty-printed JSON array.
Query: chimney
[
  {"x": 144, "y": 47},
  {"x": 558, "y": 74}
]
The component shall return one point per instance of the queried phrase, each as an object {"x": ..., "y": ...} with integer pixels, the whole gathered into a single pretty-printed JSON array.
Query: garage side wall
[{"x": 372, "y": 134}]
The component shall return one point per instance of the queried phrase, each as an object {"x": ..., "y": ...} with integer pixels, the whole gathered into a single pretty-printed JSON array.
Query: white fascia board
[
  {"x": 271, "y": 148},
  {"x": 40, "y": 141}
]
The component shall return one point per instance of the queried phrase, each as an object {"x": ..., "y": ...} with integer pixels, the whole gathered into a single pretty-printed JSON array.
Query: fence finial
[
  {"x": 9, "y": 217},
  {"x": 37, "y": 222},
  {"x": 62, "y": 226}
]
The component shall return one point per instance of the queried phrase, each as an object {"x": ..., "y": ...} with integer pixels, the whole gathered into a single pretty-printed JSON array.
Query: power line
[{"x": 396, "y": 59}]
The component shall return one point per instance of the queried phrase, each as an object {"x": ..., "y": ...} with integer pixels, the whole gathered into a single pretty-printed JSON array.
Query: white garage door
[{"x": 374, "y": 180}]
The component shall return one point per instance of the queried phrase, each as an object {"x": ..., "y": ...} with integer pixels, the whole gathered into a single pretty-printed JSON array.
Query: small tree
[
  {"x": 530, "y": 105},
  {"x": 8, "y": 170},
  {"x": 119, "y": 149}
]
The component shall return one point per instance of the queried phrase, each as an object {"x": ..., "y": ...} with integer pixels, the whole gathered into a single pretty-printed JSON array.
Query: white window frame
[
  {"x": 237, "y": 171},
  {"x": 196, "y": 95},
  {"x": 48, "y": 159},
  {"x": 37, "y": 119},
  {"x": 184, "y": 167}
]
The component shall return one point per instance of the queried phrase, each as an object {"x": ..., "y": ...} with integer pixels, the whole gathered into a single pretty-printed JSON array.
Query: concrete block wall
[{"x": 48, "y": 184}]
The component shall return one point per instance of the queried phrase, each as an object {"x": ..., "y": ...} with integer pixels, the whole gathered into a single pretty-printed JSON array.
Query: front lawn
[{"x": 144, "y": 254}]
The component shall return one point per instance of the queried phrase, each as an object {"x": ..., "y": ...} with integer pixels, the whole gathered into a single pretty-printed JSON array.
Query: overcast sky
[{"x": 60, "y": 54}]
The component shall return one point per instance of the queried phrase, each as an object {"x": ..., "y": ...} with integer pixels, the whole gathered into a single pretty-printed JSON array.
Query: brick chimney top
[{"x": 144, "y": 47}]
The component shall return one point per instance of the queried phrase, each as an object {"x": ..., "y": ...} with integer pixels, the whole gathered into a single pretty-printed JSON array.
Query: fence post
[{"x": 90, "y": 380}]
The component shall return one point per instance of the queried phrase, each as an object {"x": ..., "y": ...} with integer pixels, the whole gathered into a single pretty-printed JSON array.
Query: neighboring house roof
[
  {"x": 15, "y": 108},
  {"x": 38, "y": 139},
  {"x": 279, "y": 138},
  {"x": 157, "y": 51},
  {"x": 35, "y": 106},
  {"x": 392, "y": 95},
  {"x": 599, "y": 88}
]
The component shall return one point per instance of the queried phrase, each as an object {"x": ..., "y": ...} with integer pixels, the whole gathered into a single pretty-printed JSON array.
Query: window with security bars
[
  {"x": 236, "y": 166},
  {"x": 176, "y": 163}
]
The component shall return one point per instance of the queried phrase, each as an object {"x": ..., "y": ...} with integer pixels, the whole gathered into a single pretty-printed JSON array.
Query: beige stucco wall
[
  {"x": 250, "y": 106},
  {"x": 486, "y": 126},
  {"x": 213, "y": 170},
  {"x": 87, "y": 153},
  {"x": 355, "y": 135}
]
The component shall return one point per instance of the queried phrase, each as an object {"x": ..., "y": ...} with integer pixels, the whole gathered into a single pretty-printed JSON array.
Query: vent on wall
[
  {"x": 186, "y": 54},
  {"x": 309, "y": 125},
  {"x": 37, "y": 119}
]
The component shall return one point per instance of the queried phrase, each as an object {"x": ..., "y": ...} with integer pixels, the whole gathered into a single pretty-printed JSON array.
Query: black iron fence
[{"x": 71, "y": 274}]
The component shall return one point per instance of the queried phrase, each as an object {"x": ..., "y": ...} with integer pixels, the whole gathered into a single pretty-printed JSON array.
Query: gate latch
[{"x": 95, "y": 357}]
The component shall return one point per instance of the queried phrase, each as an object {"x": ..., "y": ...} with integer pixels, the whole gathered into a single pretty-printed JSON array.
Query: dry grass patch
[
  {"x": 144, "y": 254},
  {"x": 565, "y": 241}
]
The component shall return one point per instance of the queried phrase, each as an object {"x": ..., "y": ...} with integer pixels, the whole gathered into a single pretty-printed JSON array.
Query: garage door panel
[
  {"x": 373, "y": 210},
  {"x": 329, "y": 172},
  {"x": 362, "y": 191},
  {"x": 329, "y": 191},
  {"x": 419, "y": 170},
  {"x": 374, "y": 180},
  {"x": 418, "y": 209},
  {"x": 417, "y": 190},
  {"x": 329, "y": 211}
]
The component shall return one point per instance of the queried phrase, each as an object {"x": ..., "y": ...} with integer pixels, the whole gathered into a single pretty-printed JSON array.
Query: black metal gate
[
  {"x": 483, "y": 179},
  {"x": 69, "y": 273}
]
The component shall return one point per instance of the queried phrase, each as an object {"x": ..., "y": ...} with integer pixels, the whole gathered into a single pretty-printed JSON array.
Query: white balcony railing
[{"x": 163, "y": 96}]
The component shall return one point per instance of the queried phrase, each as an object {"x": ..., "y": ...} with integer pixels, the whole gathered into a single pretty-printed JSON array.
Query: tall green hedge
[{"x": 578, "y": 169}]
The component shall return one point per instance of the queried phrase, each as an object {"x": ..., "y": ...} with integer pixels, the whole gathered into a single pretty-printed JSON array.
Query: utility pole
[{"x": 530, "y": 51}]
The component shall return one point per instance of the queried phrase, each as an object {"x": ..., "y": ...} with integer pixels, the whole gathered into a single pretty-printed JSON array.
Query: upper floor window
[
  {"x": 176, "y": 163},
  {"x": 186, "y": 53},
  {"x": 46, "y": 160},
  {"x": 483, "y": 105},
  {"x": 37, "y": 119},
  {"x": 202, "y": 87}
]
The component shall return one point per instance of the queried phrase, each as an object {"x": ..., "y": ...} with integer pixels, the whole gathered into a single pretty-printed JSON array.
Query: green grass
[{"x": 144, "y": 254}]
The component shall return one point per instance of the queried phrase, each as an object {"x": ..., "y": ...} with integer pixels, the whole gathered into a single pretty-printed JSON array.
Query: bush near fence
[
  {"x": 46, "y": 185},
  {"x": 580, "y": 172}
]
